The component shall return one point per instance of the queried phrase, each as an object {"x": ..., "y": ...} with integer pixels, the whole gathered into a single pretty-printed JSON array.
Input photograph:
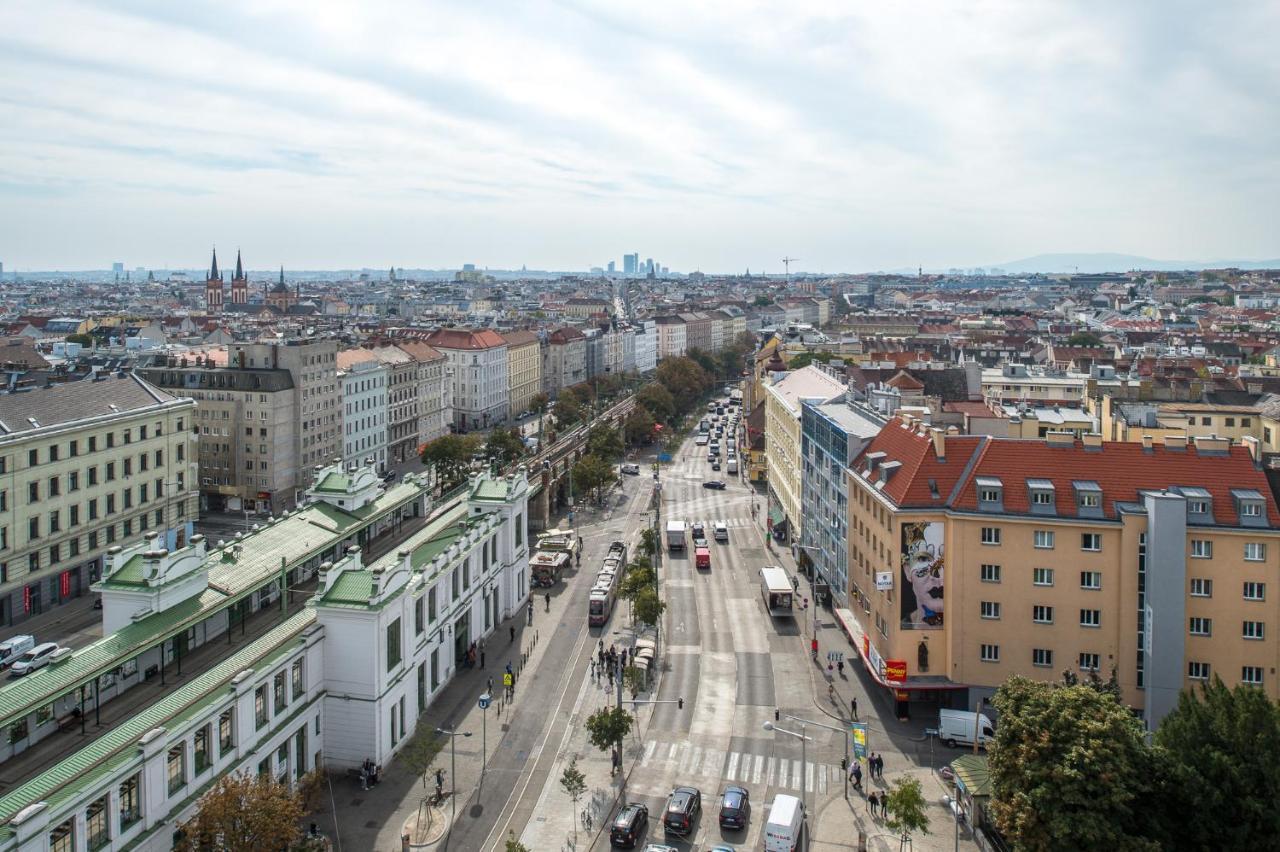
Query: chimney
[
  {"x": 1255, "y": 448},
  {"x": 1176, "y": 443},
  {"x": 939, "y": 443},
  {"x": 1146, "y": 443},
  {"x": 1092, "y": 441}
]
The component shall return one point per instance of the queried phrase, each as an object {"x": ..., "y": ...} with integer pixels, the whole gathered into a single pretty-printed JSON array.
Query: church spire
[
  {"x": 282, "y": 275},
  {"x": 213, "y": 271},
  {"x": 239, "y": 267}
]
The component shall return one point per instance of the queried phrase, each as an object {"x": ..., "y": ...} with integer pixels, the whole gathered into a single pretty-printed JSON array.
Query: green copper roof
[
  {"x": 490, "y": 489},
  {"x": 334, "y": 481},
  {"x": 85, "y": 769},
  {"x": 352, "y": 588},
  {"x": 131, "y": 573}
]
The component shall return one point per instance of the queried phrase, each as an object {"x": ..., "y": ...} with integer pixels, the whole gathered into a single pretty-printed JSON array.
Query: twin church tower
[{"x": 279, "y": 296}]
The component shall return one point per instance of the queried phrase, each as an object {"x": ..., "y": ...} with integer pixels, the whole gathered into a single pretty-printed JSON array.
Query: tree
[
  {"x": 685, "y": 379},
  {"x": 638, "y": 578},
  {"x": 449, "y": 456},
  {"x": 1056, "y": 748},
  {"x": 568, "y": 408},
  {"x": 761, "y": 301},
  {"x": 636, "y": 678},
  {"x": 419, "y": 757},
  {"x": 648, "y": 541},
  {"x": 648, "y": 606},
  {"x": 592, "y": 473},
  {"x": 575, "y": 784},
  {"x": 638, "y": 427},
  {"x": 1084, "y": 338},
  {"x": 604, "y": 442},
  {"x": 242, "y": 811},
  {"x": 906, "y": 809},
  {"x": 539, "y": 402},
  {"x": 705, "y": 360},
  {"x": 657, "y": 400},
  {"x": 504, "y": 446},
  {"x": 1224, "y": 745},
  {"x": 514, "y": 845},
  {"x": 85, "y": 340},
  {"x": 608, "y": 727}
]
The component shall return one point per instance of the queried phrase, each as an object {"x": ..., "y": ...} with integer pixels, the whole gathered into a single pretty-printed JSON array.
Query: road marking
[
  {"x": 731, "y": 772},
  {"x": 808, "y": 776},
  {"x": 714, "y": 760},
  {"x": 696, "y": 755},
  {"x": 649, "y": 749},
  {"x": 769, "y": 767},
  {"x": 759, "y": 770},
  {"x": 796, "y": 774}
]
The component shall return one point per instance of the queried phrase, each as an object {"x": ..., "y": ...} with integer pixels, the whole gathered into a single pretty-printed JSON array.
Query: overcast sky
[{"x": 715, "y": 135}]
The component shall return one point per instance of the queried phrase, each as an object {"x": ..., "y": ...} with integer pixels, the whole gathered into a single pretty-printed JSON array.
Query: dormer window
[
  {"x": 990, "y": 494},
  {"x": 1198, "y": 507},
  {"x": 1249, "y": 507},
  {"x": 1088, "y": 498},
  {"x": 1042, "y": 496}
]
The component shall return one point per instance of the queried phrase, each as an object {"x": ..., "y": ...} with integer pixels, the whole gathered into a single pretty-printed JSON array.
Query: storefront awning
[
  {"x": 777, "y": 517},
  {"x": 972, "y": 774},
  {"x": 875, "y": 667}
]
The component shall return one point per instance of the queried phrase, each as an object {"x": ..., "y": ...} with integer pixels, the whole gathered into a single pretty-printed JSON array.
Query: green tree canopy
[
  {"x": 705, "y": 360},
  {"x": 575, "y": 784},
  {"x": 608, "y": 726},
  {"x": 1225, "y": 746},
  {"x": 648, "y": 541},
  {"x": 1084, "y": 338},
  {"x": 604, "y": 442},
  {"x": 761, "y": 301},
  {"x": 449, "y": 456},
  {"x": 243, "y": 811},
  {"x": 1071, "y": 770},
  {"x": 648, "y": 606},
  {"x": 685, "y": 379},
  {"x": 906, "y": 808},
  {"x": 658, "y": 401},
  {"x": 637, "y": 579},
  {"x": 638, "y": 427},
  {"x": 592, "y": 473},
  {"x": 85, "y": 340},
  {"x": 504, "y": 445},
  {"x": 539, "y": 402},
  {"x": 568, "y": 409}
]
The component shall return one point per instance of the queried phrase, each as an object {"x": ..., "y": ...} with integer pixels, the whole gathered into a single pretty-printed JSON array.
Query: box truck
[{"x": 957, "y": 727}]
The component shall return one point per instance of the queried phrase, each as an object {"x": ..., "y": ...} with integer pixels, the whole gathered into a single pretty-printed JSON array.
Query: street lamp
[
  {"x": 845, "y": 731},
  {"x": 453, "y": 769},
  {"x": 813, "y": 585},
  {"x": 804, "y": 764}
]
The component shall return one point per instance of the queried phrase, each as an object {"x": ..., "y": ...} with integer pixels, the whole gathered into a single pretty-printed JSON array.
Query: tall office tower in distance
[
  {"x": 629, "y": 263},
  {"x": 612, "y": 268}
]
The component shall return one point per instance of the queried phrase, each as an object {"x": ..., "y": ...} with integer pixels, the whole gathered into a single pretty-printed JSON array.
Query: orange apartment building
[{"x": 972, "y": 559}]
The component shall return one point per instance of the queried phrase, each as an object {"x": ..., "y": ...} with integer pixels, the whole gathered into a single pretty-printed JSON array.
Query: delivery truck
[
  {"x": 675, "y": 535},
  {"x": 957, "y": 727},
  {"x": 785, "y": 823}
]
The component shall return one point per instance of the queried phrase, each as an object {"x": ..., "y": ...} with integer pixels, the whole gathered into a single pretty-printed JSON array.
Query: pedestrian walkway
[
  {"x": 742, "y": 767},
  {"x": 842, "y": 824}
]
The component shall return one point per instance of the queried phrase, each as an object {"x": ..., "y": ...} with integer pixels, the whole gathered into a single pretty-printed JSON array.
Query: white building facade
[{"x": 363, "y": 380}]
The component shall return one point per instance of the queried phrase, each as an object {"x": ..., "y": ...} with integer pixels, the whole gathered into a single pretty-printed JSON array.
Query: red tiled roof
[
  {"x": 910, "y": 485},
  {"x": 461, "y": 338},
  {"x": 1121, "y": 469},
  {"x": 903, "y": 380}
]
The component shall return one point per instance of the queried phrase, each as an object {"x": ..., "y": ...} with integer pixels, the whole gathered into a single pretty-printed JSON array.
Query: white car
[
  {"x": 37, "y": 657},
  {"x": 631, "y": 468}
]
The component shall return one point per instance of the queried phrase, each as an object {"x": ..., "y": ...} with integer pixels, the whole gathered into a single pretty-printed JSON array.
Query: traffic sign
[
  {"x": 508, "y": 679},
  {"x": 835, "y": 656},
  {"x": 485, "y": 698}
]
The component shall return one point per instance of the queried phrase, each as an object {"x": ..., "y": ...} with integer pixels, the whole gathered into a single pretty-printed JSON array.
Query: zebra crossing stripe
[
  {"x": 731, "y": 772},
  {"x": 714, "y": 760},
  {"x": 770, "y": 765},
  {"x": 796, "y": 774},
  {"x": 755, "y": 776},
  {"x": 808, "y": 776},
  {"x": 697, "y": 757},
  {"x": 649, "y": 749}
]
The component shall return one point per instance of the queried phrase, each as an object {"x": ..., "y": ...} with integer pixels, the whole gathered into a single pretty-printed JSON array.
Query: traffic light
[{"x": 679, "y": 703}]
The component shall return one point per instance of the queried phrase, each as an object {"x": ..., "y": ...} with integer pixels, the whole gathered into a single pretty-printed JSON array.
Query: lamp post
[
  {"x": 453, "y": 769},
  {"x": 813, "y": 585},
  {"x": 847, "y": 756},
  {"x": 977, "y": 721},
  {"x": 804, "y": 765}
]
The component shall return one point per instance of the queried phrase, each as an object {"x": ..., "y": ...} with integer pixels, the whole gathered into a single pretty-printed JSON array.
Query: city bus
[{"x": 777, "y": 591}]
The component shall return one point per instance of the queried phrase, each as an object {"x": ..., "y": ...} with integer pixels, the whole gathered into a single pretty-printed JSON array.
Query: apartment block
[
  {"x": 364, "y": 382},
  {"x": 87, "y": 464},
  {"x": 478, "y": 359},
  {"x": 524, "y": 369},
  {"x": 972, "y": 559}
]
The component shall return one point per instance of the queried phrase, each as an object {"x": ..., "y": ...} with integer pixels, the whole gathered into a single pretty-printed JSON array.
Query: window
[
  {"x": 455, "y": 582},
  {"x": 33, "y": 492},
  {"x": 393, "y": 644},
  {"x": 989, "y": 495},
  {"x": 1042, "y": 657},
  {"x": 990, "y": 609},
  {"x": 990, "y": 535},
  {"x": 63, "y": 837},
  {"x": 226, "y": 732},
  {"x": 297, "y": 686},
  {"x": 1088, "y": 661},
  {"x": 1201, "y": 587},
  {"x": 989, "y": 653},
  {"x": 1091, "y": 541},
  {"x": 1090, "y": 499},
  {"x": 1091, "y": 580},
  {"x": 1250, "y": 508},
  {"x": 1044, "y": 539},
  {"x": 55, "y": 521},
  {"x": 130, "y": 801},
  {"x": 1254, "y": 630},
  {"x": 96, "y": 825},
  {"x": 1042, "y": 498},
  {"x": 431, "y": 605},
  {"x": 1251, "y": 675},
  {"x": 1090, "y": 618},
  {"x": 73, "y": 480},
  {"x": 1201, "y": 548},
  {"x": 519, "y": 530},
  {"x": 1041, "y": 614},
  {"x": 990, "y": 573},
  {"x": 176, "y": 765},
  {"x": 1255, "y": 551},
  {"x": 33, "y": 528},
  {"x": 419, "y": 622},
  {"x": 1198, "y": 671},
  {"x": 278, "y": 697},
  {"x": 33, "y": 458},
  {"x": 55, "y": 486},
  {"x": 1231, "y": 421},
  {"x": 203, "y": 757},
  {"x": 260, "y": 707},
  {"x": 1255, "y": 591},
  {"x": 1042, "y": 576},
  {"x": 1201, "y": 626},
  {"x": 92, "y": 473},
  {"x": 466, "y": 573}
]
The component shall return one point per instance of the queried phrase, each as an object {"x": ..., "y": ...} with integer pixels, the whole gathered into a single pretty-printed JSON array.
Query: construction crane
[{"x": 786, "y": 262}]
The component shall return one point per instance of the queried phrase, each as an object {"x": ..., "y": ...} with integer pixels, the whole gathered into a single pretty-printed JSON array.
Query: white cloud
[{"x": 714, "y": 135}]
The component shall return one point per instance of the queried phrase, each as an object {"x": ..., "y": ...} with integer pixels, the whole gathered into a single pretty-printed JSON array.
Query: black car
[
  {"x": 682, "y": 809},
  {"x": 629, "y": 825},
  {"x": 717, "y": 484},
  {"x": 715, "y": 465},
  {"x": 735, "y": 808}
]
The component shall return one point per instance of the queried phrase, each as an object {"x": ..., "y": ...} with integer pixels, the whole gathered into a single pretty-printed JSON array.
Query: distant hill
[{"x": 1110, "y": 262}]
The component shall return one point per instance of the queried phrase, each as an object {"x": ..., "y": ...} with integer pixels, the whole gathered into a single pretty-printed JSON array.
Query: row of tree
[{"x": 1073, "y": 768}]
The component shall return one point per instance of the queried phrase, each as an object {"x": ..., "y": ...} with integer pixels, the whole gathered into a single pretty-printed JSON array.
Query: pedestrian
[
  {"x": 813, "y": 647},
  {"x": 489, "y": 685},
  {"x": 855, "y": 775},
  {"x": 853, "y": 707},
  {"x": 531, "y": 612},
  {"x": 548, "y": 600},
  {"x": 624, "y": 658},
  {"x": 513, "y": 633},
  {"x": 880, "y": 766},
  {"x": 481, "y": 656},
  {"x": 593, "y": 669},
  {"x": 876, "y": 800},
  {"x": 509, "y": 671},
  {"x": 840, "y": 667}
]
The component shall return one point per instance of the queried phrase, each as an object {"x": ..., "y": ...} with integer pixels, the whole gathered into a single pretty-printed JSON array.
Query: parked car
[
  {"x": 38, "y": 657},
  {"x": 14, "y": 647},
  {"x": 629, "y": 826},
  {"x": 735, "y": 808},
  {"x": 717, "y": 484},
  {"x": 682, "y": 810},
  {"x": 631, "y": 468}
]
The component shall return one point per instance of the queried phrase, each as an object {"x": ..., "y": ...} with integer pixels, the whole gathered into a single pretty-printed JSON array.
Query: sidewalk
[{"x": 841, "y": 824}]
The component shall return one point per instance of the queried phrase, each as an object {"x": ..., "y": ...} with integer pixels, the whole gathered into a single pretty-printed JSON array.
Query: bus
[{"x": 777, "y": 591}]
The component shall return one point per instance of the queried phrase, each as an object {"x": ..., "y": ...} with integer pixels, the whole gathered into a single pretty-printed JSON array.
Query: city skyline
[{"x": 546, "y": 134}]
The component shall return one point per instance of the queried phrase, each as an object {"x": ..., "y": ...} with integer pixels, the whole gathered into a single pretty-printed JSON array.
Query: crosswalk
[
  {"x": 746, "y": 768},
  {"x": 690, "y": 516}
]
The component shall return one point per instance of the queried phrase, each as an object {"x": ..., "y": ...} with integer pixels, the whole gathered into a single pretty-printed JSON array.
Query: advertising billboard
[{"x": 922, "y": 573}]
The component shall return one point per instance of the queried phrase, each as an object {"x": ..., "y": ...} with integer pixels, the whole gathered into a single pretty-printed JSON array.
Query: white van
[
  {"x": 785, "y": 823},
  {"x": 14, "y": 647},
  {"x": 631, "y": 468},
  {"x": 956, "y": 727},
  {"x": 38, "y": 657},
  {"x": 733, "y": 464}
]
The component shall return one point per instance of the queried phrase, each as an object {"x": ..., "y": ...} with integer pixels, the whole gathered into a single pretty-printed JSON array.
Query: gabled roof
[
  {"x": 924, "y": 480},
  {"x": 461, "y": 338}
]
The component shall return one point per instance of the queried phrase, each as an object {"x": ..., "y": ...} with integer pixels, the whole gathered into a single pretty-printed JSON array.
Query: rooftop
[{"x": 69, "y": 402}]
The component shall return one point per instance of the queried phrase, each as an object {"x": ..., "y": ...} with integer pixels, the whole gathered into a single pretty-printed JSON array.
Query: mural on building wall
[{"x": 922, "y": 570}]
